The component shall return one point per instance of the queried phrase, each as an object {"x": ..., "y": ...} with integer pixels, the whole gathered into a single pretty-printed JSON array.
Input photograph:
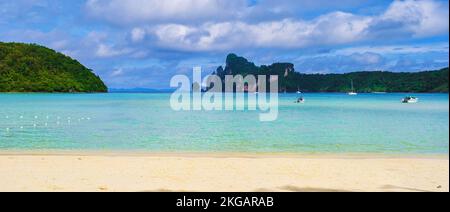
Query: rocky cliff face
[{"x": 375, "y": 81}]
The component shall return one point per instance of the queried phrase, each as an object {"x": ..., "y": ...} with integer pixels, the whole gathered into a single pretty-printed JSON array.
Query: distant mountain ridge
[
  {"x": 364, "y": 82},
  {"x": 34, "y": 68},
  {"x": 140, "y": 90}
]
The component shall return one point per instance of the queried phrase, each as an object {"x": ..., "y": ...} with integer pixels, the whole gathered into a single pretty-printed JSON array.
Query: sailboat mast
[
  {"x": 353, "y": 88},
  {"x": 353, "y": 92}
]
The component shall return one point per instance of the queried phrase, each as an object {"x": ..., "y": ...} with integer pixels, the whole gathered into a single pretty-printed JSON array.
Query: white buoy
[
  {"x": 35, "y": 117},
  {"x": 21, "y": 117}
]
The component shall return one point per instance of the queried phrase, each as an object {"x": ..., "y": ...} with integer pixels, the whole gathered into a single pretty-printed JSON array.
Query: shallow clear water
[{"x": 327, "y": 123}]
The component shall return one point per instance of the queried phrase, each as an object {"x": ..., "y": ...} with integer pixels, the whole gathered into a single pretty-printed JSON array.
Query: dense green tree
[
  {"x": 376, "y": 81},
  {"x": 34, "y": 68}
]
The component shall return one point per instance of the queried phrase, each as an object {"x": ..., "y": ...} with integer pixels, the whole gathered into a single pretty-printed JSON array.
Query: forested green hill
[
  {"x": 377, "y": 81},
  {"x": 34, "y": 68}
]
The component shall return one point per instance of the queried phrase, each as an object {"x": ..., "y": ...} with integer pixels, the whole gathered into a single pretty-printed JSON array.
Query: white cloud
[
  {"x": 367, "y": 58},
  {"x": 370, "y": 58},
  {"x": 137, "y": 34},
  {"x": 396, "y": 49},
  {"x": 117, "y": 72},
  {"x": 11, "y": 10},
  {"x": 97, "y": 42},
  {"x": 335, "y": 28},
  {"x": 104, "y": 50},
  {"x": 55, "y": 39},
  {"x": 403, "y": 19},
  {"x": 372, "y": 54},
  {"x": 419, "y": 18},
  {"x": 140, "y": 11}
]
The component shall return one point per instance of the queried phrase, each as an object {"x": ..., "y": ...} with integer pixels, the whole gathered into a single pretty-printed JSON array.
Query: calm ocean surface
[{"x": 327, "y": 123}]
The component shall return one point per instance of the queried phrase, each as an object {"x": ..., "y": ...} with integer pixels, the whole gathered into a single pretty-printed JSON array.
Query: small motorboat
[
  {"x": 410, "y": 99},
  {"x": 300, "y": 100}
]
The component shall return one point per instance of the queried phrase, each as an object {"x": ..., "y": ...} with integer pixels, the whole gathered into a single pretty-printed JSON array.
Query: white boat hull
[{"x": 410, "y": 101}]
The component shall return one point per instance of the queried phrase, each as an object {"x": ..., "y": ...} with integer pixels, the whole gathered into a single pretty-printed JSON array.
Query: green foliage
[
  {"x": 33, "y": 68},
  {"x": 364, "y": 82}
]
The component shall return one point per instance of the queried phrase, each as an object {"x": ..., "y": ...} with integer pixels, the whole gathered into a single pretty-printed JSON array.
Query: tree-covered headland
[
  {"x": 364, "y": 82},
  {"x": 34, "y": 68}
]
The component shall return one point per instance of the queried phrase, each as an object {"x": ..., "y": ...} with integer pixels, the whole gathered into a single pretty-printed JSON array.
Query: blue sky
[{"x": 143, "y": 43}]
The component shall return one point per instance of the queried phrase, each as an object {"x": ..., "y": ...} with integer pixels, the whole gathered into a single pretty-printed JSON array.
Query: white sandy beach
[{"x": 220, "y": 172}]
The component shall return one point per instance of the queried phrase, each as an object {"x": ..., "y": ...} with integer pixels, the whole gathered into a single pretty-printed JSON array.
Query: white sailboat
[{"x": 352, "y": 93}]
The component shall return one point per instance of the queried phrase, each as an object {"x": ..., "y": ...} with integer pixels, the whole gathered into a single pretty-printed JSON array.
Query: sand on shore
[{"x": 226, "y": 172}]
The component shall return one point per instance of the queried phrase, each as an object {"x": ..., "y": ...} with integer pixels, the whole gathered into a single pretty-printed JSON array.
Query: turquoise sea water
[{"x": 327, "y": 123}]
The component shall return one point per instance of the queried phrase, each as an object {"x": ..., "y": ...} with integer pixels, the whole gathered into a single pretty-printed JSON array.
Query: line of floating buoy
[
  {"x": 46, "y": 117},
  {"x": 46, "y": 124}
]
